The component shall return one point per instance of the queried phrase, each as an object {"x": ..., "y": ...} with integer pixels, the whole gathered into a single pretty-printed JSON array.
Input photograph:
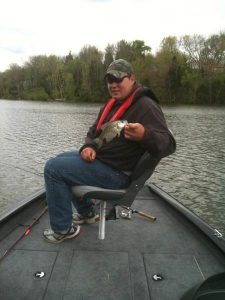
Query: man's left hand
[{"x": 134, "y": 131}]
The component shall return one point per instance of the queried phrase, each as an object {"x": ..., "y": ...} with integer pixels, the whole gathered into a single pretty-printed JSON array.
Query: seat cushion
[{"x": 86, "y": 191}]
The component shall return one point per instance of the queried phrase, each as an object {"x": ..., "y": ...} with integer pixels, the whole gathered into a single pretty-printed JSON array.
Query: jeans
[{"x": 69, "y": 169}]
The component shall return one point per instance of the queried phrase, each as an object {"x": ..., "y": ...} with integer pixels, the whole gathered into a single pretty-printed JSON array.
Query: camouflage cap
[{"x": 120, "y": 68}]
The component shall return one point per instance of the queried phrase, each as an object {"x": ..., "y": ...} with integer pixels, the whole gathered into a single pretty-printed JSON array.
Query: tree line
[{"x": 188, "y": 70}]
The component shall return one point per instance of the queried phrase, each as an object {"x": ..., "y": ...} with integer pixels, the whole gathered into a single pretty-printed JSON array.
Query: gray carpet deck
[{"x": 117, "y": 268}]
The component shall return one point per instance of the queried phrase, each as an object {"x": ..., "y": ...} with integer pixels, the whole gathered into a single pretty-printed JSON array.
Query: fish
[{"x": 110, "y": 130}]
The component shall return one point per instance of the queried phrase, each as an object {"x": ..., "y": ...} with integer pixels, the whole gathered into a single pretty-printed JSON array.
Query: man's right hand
[{"x": 88, "y": 154}]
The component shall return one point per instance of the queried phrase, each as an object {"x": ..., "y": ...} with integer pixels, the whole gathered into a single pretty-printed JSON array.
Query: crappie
[{"x": 110, "y": 131}]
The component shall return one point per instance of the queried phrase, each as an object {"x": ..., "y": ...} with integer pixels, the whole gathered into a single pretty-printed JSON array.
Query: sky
[{"x": 44, "y": 27}]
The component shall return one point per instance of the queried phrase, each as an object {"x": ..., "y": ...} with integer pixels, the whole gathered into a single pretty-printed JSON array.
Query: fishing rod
[
  {"x": 141, "y": 213},
  {"x": 25, "y": 233}
]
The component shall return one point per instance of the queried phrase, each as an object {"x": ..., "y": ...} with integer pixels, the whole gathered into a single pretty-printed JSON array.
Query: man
[{"x": 108, "y": 165}]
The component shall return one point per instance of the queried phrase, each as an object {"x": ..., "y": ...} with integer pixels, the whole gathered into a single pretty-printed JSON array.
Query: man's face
[{"x": 120, "y": 90}]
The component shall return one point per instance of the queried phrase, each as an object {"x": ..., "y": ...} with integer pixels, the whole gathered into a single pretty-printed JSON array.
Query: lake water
[{"x": 32, "y": 132}]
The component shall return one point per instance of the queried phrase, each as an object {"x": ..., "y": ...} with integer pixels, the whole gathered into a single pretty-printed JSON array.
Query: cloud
[
  {"x": 29, "y": 28},
  {"x": 15, "y": 50},
  {"x": 98, "y": 0}
]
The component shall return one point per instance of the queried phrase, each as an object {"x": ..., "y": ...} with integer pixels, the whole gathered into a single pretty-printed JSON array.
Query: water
[{"x": 32, "y": 132}]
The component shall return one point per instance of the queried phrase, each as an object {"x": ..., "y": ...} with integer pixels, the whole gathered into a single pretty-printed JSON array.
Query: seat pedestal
[{"x": 102, "y": 215}]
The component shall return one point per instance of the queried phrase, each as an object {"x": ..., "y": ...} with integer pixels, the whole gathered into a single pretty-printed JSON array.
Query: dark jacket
[{"x": 122, "y": 153}]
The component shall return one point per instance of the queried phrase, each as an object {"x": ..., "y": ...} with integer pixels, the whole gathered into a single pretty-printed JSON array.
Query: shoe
[
  {"x": 91, "y": 218},
  {"x": 58, "y": 237}
]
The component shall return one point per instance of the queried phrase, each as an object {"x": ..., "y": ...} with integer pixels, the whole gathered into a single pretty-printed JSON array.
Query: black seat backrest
[
  {"x": 145, "y": 167},
  {"x": 142, "y": 172}
]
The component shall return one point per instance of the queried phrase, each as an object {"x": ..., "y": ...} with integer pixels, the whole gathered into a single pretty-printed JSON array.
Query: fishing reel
[{"x": 126, "y": 214}]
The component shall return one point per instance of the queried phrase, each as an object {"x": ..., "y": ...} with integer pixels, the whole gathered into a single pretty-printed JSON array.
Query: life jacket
[{"x": 121, "y": 110}]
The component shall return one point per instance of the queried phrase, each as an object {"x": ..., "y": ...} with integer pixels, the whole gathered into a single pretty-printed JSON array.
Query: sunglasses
[{"x": 110, "y": 79}]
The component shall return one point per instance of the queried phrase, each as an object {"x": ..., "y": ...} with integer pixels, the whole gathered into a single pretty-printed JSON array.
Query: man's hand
[
  {"x": 88, "y": 154},
  {"x": 134, "y": 131}
]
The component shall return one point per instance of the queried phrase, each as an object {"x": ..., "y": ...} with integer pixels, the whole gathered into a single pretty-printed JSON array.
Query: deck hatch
[
  {"x": 99, "y": 275},
  {"x": 180, "y": 273},
  {"x": 20, "y": 282}
]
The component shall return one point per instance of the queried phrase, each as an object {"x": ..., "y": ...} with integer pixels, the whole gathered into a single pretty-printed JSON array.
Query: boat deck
[{"x": 121, "y": 267}]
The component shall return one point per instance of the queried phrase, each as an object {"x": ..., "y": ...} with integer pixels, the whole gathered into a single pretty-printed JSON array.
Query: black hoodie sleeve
[{"x": 158, "y": 139}]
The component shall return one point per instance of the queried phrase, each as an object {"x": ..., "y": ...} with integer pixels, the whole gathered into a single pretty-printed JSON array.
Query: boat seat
[
  {"x": 212, "y": 288},
  {"x": 143, "y": 171}
]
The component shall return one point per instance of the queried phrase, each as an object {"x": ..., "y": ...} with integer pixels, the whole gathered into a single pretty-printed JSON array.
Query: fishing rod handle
[{"x": 148, "y": 216}]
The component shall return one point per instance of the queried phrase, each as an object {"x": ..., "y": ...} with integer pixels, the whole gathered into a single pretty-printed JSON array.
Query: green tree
[
  {"x": 124, "y": 51},
  {"x": 92, "y": 73},
  {"x": 139, "y": 49},
  {"x": 109, "y": 55},
  {"x": 170, "y": 65},
  {"x": 191, "y": 70}
]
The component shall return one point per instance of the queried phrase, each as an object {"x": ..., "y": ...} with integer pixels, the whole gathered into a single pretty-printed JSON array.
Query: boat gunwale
[
  {"x": 208, "y": 230},
  {"x": 27, "y": 201}
]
